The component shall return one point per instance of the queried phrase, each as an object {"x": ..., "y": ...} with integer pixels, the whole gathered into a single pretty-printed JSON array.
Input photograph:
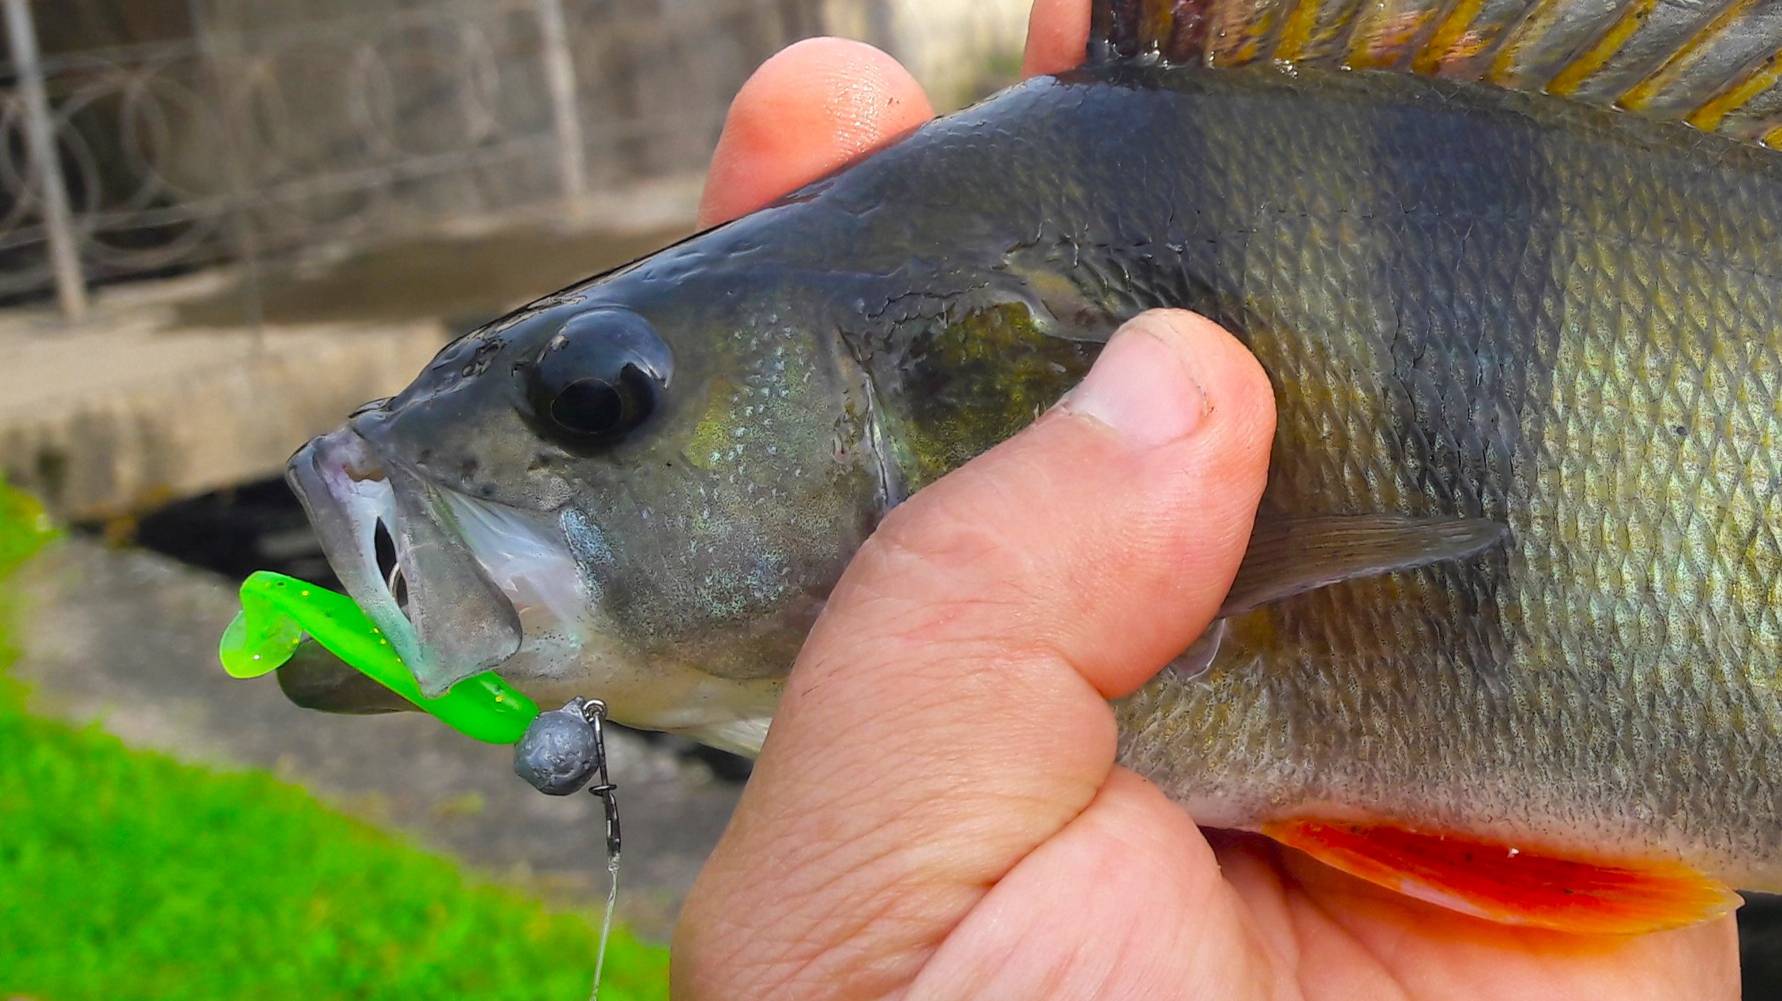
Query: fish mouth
[{"x": 458, "y": 585}]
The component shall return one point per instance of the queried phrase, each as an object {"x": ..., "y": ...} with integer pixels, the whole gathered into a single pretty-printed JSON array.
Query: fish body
[{"x": 1478, "y": 307}]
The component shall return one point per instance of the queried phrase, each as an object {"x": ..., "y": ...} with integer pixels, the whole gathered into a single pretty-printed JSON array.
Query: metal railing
[{"x": 257, "y": 130}]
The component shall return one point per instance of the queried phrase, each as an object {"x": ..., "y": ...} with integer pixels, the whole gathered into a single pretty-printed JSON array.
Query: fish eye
[{"x": 599, "y": 377}]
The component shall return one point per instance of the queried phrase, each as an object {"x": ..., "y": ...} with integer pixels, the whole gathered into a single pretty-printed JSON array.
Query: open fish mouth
[{"x": 459, "y": 586}]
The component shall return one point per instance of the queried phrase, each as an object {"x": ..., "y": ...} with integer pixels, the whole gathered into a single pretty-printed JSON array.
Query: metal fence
[{"x": 269, "y": 125}]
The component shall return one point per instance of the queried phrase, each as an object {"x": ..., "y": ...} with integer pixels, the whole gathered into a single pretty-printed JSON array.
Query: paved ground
[
  {"x": 129, "y": 638},
  {"x": 105, "y": 422}
]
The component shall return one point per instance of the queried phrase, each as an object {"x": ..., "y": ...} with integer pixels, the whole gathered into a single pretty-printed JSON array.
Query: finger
[
  {"x": 807, "y": 111},
  {"x": 1153, "y": 918},
  {"x": 1057, "y": 36},
  {"x": 948, "y": 712}
]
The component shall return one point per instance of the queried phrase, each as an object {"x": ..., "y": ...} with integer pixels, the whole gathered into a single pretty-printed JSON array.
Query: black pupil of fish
[
  {"x": 588, "y": 407},
  {"x": 598, "y": 407}
]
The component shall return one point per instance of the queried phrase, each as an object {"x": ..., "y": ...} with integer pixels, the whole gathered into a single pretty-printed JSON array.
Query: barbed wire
[{"x": 363, "y": 123}]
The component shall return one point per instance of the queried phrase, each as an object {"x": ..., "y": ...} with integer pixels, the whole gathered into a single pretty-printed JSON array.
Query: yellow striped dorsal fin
[{"x": 1716, "y": 64}]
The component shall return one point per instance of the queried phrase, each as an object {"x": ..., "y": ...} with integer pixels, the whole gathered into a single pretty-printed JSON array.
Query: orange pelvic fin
[{"x": 1503, "y": 883}]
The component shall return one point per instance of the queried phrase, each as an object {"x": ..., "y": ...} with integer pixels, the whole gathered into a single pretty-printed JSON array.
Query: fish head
[{"x": 640, "y": 489}]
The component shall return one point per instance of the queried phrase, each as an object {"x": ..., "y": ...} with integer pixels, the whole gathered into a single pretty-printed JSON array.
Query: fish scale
[{"x": 1523, "y": 721}]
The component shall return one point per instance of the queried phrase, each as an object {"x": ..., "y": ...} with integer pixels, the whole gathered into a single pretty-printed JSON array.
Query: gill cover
[{"x": 1717, "y": 66}]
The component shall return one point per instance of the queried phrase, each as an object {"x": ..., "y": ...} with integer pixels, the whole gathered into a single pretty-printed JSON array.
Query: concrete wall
[{"x": 959, "y": 49}]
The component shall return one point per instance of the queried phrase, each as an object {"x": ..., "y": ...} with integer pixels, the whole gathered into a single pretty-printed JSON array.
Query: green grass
[{"x": 127, "y": 874}]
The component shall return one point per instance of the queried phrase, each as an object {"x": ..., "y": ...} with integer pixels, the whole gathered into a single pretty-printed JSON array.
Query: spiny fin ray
[{"x": 1713, "y": 65}]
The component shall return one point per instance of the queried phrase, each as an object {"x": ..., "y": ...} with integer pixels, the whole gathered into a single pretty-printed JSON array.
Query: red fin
[{"x": 1514, "y": 886}]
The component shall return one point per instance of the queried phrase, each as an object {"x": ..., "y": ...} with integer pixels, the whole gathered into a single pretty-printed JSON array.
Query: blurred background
[{"x": 223, "y": 224}]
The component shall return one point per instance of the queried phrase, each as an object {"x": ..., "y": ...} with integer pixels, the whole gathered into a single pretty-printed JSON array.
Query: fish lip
[{"x": 346, "y": 488}]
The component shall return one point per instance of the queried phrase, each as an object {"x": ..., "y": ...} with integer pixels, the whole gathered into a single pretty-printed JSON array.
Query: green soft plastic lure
[{"x": 278, "y": 611}]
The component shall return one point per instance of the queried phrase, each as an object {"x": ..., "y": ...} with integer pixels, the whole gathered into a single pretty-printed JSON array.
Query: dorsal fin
[
  {"x": 1171, "y": 30},
  {"x": 1716, "y": 64}
]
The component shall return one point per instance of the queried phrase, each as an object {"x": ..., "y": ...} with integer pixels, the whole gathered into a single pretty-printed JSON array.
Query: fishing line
[
  {"x": 606, "y": 923},
  {"x": 559, "y": 752},
  {"x": 562, "y": 751}
]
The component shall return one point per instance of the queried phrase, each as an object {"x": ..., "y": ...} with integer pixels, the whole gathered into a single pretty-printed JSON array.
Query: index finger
[
  {"x": 1057, "y": 36},
  {"x": 806, "y": 112},
  {"x": 825, "y": 101}
]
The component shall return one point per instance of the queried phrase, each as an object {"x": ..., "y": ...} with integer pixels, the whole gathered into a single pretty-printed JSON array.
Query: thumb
[{"x": 948, "y": 713}]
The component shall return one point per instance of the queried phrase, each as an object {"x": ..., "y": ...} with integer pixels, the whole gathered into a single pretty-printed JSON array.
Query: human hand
[{"x": 937, "y": 812}]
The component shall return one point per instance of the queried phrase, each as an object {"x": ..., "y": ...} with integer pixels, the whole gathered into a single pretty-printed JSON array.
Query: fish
[{"x": 1508, "y": 635}]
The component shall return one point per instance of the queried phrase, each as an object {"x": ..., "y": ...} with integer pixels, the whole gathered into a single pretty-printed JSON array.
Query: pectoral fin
[
  {"x": 1197, "y": 659},
  {"x": 1289, "y": 556},
  {"x": 1502, "y": 883}
]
